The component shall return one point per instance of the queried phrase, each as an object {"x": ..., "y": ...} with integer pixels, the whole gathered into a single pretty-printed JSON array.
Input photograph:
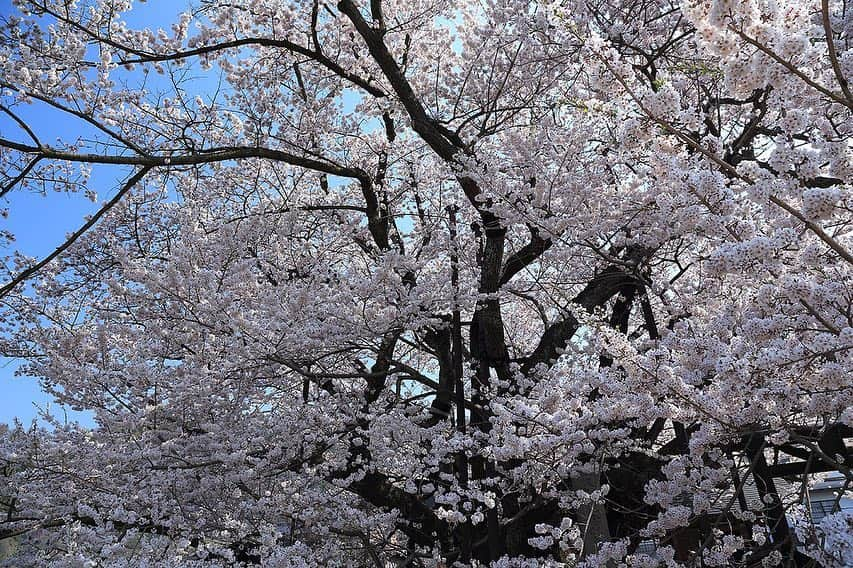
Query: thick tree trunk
[{"x": 592, "y": 515}]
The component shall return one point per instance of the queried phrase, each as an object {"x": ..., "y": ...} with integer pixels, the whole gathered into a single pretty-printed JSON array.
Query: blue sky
[{"x": 40, "y": 223}]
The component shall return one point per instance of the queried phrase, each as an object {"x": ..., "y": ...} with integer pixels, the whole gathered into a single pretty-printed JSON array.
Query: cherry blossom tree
[{"x": 412, "y": 283}]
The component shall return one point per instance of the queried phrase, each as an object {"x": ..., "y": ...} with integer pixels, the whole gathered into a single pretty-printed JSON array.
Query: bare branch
[{"x": 32, "y": 270}]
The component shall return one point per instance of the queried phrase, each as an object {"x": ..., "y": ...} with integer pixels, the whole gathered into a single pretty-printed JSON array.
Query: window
[
  {"x": 647, "y": 547},
  {"x": 820, "y": 509}
]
